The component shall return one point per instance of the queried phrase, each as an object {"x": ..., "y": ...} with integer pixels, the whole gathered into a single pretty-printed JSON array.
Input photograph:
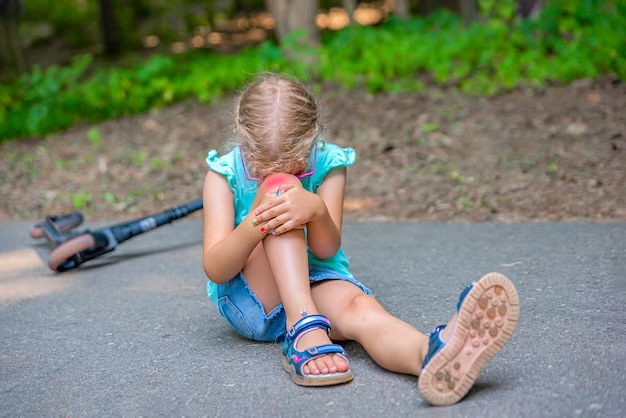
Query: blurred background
[{"x": 459, "y": 110}]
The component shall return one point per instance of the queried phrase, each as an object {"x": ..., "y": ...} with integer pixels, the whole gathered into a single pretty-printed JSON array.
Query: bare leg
[
  {"x": 486, "y": 321},
  {"x": 287, "y": 256},
  {"x": 392, "y": 343},
  {"x": 278, "y": 271}
]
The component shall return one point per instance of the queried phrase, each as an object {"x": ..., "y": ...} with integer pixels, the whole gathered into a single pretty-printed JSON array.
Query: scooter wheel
[
  {"x": 68, "y": 249},
  {"x": 36, "y": 232}
]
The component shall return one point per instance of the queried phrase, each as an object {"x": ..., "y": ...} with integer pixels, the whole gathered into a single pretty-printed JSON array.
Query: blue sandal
[
  {"x": 488, "y": 311},
  {"x": 293, "y": 360}
]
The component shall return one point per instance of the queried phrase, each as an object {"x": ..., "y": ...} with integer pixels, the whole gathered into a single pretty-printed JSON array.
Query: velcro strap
[
  {"x": 316, "y": 351},
  {"x": 434, "y": 343},
  {"x": 308, "y": 323}
]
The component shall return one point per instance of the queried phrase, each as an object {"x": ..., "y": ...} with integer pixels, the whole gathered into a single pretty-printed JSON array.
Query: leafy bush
[{"x": 570, "y": 40}]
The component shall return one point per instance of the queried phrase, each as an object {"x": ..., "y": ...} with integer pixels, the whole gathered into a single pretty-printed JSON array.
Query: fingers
[
  {"x": 275, "y": 214},
  {"x": 261, "y": 208},
  {"x": 260, "y": 211},
  {"x": 279, "y": 225},
  {"x": 272, "y": 198},
  {"x": 269, "y": 214},
  {"x": 286, "y": 227},
  {"x": 265, "y": 212},
  {"x": 271, "y": 225}
]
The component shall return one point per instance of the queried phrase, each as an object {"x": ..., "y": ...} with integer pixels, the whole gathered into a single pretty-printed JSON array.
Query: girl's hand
[
  {"x": 268, "y": 200},
  {"x": 293, "y": 208}
]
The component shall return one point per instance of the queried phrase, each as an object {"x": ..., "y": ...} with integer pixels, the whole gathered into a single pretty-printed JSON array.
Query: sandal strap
[
  {"x": 307, "y": 323},
  {"x": 435, "y": 343},
  {"x": 297, "y": 359},
  {"x": 465, "y": 292}
]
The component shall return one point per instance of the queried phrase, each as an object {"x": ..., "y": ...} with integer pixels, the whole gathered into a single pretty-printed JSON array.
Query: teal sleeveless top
[{"x": 329, "y": 156}]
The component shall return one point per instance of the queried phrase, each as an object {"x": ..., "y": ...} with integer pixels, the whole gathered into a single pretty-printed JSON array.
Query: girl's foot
[
  {"x": 302, "y": 365},
  {"x": 486, "y": 317},
  {"x": 330, "y": 363}
]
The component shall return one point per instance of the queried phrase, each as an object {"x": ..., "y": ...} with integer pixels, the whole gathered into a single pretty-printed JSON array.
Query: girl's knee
[
  {"x": 363, "y": 306},
  {"x": 359, "y": 314},
  {"x": 273, "y": 181},
  {"x": 279, "y": 179}
]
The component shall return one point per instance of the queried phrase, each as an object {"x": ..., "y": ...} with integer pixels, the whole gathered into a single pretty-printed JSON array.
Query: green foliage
[
  {"x": 109, "y": 197},
  {"x": 95, "y": 138},
  {"x": 458, "y": 177},
  {"x": 77, "y": 22},
  {"x": 500, "y": 10},
  {"x": 72, "y": 20},
  {"x": 81, "y": 199},
  {"x": 569, "y": 40},
  {"x": 465, "y": 202},
  {"x": 553, "y": 167},
  {"x": 429, "y": 127}
]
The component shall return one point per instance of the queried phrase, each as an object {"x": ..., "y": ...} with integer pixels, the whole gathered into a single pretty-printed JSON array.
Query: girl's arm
[
  {"x": 225, "y": 249},
  {"x": 324, "y": 231},
  {"x": 322, "y": 213}
]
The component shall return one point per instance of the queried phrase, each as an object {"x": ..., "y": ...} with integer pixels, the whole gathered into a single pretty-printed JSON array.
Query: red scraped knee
[{"x": 279, "y": 179}]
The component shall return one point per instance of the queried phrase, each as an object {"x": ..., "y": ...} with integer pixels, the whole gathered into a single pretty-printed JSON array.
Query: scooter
[{"x": 71, "y": 248}]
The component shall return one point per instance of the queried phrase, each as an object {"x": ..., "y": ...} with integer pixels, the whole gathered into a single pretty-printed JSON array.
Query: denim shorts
[{"x": 245, "y": 313}]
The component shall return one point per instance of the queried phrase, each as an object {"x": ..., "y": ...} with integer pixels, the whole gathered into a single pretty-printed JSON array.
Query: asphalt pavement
[{"x": 134, "y": 334}]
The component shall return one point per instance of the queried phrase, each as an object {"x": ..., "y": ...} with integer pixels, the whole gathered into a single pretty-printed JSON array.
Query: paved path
[{"x": 134, "y": 334}]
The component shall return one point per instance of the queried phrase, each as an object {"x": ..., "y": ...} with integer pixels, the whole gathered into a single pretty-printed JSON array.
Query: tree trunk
[
  {"x": 350, "y": 6},
  {"x": 10, "y": 44},
  {"x": 402, "y": 9},
  {"x": 110, "y": 28},
  {"x": 293, "y": 16},
  {"x": 425, "y": 7},
  {"x": 469, "y": 10},
  {"x": 529, "y": 8}
]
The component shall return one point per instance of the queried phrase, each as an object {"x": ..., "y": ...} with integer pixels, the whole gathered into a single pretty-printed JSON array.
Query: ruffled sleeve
[
  {"x": 330, "y": 156},
  {"x": 222, "y": 166}
]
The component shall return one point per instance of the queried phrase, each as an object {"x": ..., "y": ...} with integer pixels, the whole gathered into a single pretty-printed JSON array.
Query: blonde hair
[{"x": 276, "y": 124}]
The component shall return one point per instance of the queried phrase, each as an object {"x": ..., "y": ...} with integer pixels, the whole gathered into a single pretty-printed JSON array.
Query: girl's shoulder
[
  {"x": 214, "y": 157},
  {"x": 329, "y": 157},
  {"x": 332, "y": 156},
  {"x": 225, "y": 164},
  {"x": 222, "y": 163}
]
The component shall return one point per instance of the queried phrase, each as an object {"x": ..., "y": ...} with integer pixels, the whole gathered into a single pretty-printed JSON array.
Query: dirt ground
[{"x": 438, "y": 156}]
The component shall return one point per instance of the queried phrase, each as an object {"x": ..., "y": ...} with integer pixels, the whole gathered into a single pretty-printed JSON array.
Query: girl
[{"x": 272, "y": 253}]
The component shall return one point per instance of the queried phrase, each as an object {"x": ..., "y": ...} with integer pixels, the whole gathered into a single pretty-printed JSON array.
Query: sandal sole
[
  {"x": 487, "y": 320},
  {"x": 329, "y": 379}
]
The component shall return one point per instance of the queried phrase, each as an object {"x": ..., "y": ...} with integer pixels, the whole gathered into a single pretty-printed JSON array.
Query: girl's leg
[
  {"x": 392, "y": 343},
  {"x": 288, "y": 257},
  {"x": 487, "y": 319},
  {"x": 278, "y": 271}
]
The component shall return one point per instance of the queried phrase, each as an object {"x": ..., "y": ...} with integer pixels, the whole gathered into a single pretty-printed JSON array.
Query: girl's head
[{"x": 277, "y": 126}]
